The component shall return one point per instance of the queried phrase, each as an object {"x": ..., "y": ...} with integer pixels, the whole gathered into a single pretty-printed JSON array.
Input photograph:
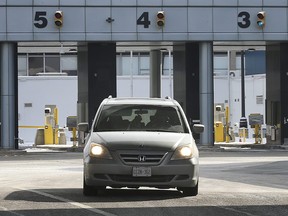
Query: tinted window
[{"x": 140, "y": 118}]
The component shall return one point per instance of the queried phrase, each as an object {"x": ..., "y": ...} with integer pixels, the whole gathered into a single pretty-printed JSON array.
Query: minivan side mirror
[
  {"x": 84, "y": 127},
  {"x": 198, "y": 128}
]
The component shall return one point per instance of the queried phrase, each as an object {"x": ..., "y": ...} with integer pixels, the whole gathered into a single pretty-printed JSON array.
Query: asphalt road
[{"x": 231, "y": 183}]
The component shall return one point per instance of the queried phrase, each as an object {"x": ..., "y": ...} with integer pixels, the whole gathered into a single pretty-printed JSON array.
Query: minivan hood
[{"x": 162, "y": 141}]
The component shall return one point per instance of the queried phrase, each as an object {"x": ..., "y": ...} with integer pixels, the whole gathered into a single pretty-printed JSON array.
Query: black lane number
[
  {"x": 244, "y": 21},
  {"x": 40, "y": 20},
  {"x": 144, "y": 20}
]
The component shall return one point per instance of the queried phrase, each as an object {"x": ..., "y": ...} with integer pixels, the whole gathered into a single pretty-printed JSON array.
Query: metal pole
[
  {"x": 170, "y": 75},
  {"x": 243, "y": 120},
  {"x": 242, "y": 84},
  {"x": 155, "y": 73},
  {"x": 131, "y": 73}
]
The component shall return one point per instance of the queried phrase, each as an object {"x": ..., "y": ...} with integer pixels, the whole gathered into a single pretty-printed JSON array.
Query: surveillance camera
[
  {"x": 218, "y": 108},
  {"x": 47, "y": 110}
]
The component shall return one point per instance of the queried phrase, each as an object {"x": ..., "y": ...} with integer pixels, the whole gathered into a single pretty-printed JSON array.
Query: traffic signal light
[
  {"x": 160, "y": 18},
  {"x": 58, "y": 18},
  {"x": 261, "y": 19}
]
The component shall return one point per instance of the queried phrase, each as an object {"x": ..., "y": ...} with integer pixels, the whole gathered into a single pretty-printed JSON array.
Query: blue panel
[
  {"x": 2, "y": 19},
  {"x": 73, "y": 19},
  {"x": 225, "y": 20},
  {"x": 125, "y": 19},
  {"x": 225, "y": 36},
  {"x": 46, "y": 36},
  {"x": 2, "y": 2},
  {"x": 200, "y": 37},
  {"x": 275, "y": 2},
  {"x": 200, "y": 19},
  {"x": 175, "y": 3},
  {"x": 276, "y": 20},
  {"x": 72, "y": 37},
  {"x": 200, "y": 2},
  {"x": 275, "y": 36},
  {"x": 96, "y": 19},
  {"x": 124, "y": 2},
  {"x": 20, "y": 2},
  {"x": 124, "y": 36},
  {"x": 149, "y": 2},
  {"x": 19, "y": 37},
  {"x": 2, "y": 37},
  {"x": 250, "y": 3},
  {"x": 255, "y": 62},
  {"x": 225, "y": 3},
  {"x": 98, "y": 3},
  {"x": 19, "y": 19},
  {"x": 150, "y": 36},
  {"x": 45, "y": 2},
  {"x": 72, "y": 2},
  {"x": 175, "y": 36},
  {"x": 175, "y": 19},
  {"x": 250, "y": 36},
  {"x": 98, "y": 36}
]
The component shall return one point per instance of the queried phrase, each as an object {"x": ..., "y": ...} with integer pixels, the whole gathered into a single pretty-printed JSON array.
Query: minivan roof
[{"x": 146, "y": 101}]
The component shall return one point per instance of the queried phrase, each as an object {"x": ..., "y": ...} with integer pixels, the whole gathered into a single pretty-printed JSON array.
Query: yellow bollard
[
  {"x": 227, "y": 124},
  {"x": 48, "y": 134}
]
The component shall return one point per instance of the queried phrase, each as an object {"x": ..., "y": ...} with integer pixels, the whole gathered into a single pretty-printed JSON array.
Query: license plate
[{"x": 141, "y": 171}]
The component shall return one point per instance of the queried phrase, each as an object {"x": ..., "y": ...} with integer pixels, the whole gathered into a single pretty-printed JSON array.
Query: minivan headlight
[
  {"x": 183, "y": 152},
  {"x": 99, "y": 151}
]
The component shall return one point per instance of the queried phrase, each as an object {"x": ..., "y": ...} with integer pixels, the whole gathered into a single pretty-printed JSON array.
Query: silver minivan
[{"x": 140, "y": 142}]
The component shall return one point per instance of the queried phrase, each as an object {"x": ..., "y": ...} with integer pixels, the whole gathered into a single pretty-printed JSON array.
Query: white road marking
[
  {"x": 235, "y": 210},
  {"x": 79, "y": 205},
  {"x": 12, "y": 212}
]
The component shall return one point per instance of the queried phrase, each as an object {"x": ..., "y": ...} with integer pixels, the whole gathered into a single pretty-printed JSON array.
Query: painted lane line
[
  {"x": 12, "y": 212},
  {"x": 79, "y": 205}
]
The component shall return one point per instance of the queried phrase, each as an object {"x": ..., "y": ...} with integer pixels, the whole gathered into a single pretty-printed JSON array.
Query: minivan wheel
[{"x": 189, "y": 191}]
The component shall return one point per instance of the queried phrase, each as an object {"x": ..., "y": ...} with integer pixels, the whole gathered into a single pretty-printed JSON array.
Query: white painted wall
[
  {"x": 254, "y": 86},
  {"x": 41, "y": 91},
  {"x": 62, "y": 91}
]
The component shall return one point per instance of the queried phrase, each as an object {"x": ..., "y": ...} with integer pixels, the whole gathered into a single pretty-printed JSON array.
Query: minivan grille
[{"x": 146, "y": 158}]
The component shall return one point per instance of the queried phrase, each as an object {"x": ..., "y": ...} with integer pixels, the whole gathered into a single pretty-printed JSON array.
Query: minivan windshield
[{"x": 140, "y": 118}]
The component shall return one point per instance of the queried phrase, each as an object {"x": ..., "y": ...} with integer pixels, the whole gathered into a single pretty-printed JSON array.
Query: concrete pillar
[
  {"x": 276, "y": 93},
  {"x": 9, "y": 92},
  {"x": 206, "y": 92},
  {"x": 96, "y": 76},
  {"x": 155, "y": 73},
  {"x": 186, "y": 80}
]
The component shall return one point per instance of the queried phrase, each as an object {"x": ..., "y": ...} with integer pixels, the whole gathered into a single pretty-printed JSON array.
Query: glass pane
[
  {"x": 35, "y": 65},
  {"x": 69, "y": 65},
  {"x": 52, "y": 64},
  {"x": 144, "y": 65},
  {"x": 69, "y": 62}
]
